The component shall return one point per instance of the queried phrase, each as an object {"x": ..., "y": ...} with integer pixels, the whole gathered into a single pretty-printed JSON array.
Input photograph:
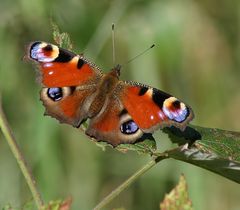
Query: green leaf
[
  {"x": 214, "y": 149},
  {"x": 178, "y": 198},
  {"x": 59, "y": 205},
  {"x": 148, "y": 146},
  {"x": 62, "y": 39}
]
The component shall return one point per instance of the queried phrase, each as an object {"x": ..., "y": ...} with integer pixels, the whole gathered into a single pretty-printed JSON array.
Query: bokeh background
[{"x": 196, "y": 58}]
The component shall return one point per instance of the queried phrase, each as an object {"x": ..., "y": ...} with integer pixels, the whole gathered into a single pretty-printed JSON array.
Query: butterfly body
[{"x": 75, "y": 89}]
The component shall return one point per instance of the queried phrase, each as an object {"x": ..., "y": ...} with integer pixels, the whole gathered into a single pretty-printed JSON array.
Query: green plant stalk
[
  {"x": 7, "y": 132},
  {"x": 129, "y": 181}
]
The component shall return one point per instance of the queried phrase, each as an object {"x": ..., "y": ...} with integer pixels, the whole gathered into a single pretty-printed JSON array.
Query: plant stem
[
  {"x": 7, "y": 132},
  {"x": 128, "y": 182}
]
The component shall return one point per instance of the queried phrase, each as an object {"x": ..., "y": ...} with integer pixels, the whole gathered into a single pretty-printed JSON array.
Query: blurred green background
[{"x": 196, "y": 58}]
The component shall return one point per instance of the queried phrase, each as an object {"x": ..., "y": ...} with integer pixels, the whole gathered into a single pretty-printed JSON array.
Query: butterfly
[{"x": 75, "y": 89}]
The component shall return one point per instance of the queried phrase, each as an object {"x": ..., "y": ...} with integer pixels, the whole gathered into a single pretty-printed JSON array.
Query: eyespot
[
  {"x": 55, "y": 94},
  {"x": 44, "y": 52},
  {"x": 175, "y": 110},
  {"x": 129, "y": 127}
]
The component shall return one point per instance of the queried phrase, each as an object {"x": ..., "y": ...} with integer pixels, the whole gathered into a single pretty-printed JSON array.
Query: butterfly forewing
[
  {"x": 62, "y": 68},
  {"x": 151, "y": 108}
]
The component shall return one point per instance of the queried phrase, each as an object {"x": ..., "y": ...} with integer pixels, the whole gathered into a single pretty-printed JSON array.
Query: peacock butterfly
[{"x": 74, "y": 89}]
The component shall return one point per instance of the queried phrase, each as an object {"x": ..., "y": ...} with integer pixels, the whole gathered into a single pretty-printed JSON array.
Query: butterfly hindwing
[
  {"x": 67, "y": 104},
  {"x": 113, "y": 124}
]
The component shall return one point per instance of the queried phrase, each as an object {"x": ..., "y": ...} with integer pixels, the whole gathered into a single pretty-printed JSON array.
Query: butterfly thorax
[{"x": 104, "y": 90}]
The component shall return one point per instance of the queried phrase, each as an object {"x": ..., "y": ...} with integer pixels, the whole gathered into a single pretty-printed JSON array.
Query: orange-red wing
[
  {"x": 60, "y": 67},
  {"x": 151, "y": 108}
]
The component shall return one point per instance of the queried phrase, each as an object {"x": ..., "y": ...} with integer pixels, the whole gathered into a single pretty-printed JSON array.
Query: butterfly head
[{"x": 116, "y": 70}]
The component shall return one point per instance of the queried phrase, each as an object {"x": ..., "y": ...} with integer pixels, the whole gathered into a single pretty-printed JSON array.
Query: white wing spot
[{"x": 149, "y": 92}]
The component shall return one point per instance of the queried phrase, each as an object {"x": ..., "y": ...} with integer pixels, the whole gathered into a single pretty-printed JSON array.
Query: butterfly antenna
[
  {"x": 113, "y": 45},
  {"x": 153, "y": 45}
]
